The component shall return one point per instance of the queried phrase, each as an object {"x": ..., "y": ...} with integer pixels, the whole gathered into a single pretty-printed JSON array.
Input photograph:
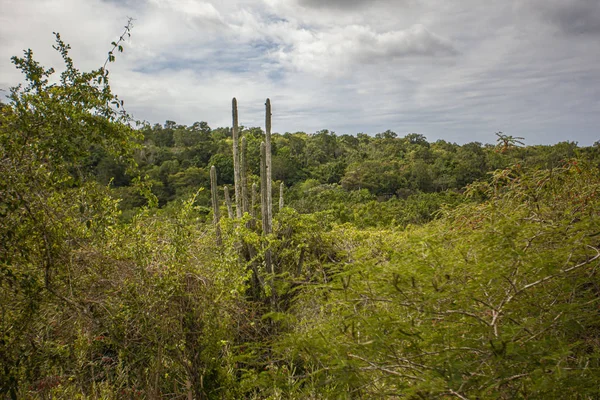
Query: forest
[{"x": 143, "y": 261}]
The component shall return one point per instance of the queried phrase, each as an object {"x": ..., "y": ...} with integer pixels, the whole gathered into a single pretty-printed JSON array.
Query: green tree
[
  {"x": 507, "y": 142},
  {"x": 48, "y": 210}
]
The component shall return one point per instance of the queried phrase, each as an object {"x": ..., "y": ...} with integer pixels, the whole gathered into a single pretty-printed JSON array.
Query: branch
[
  {"x": 385, "y": 369},
  {"x": 562, "y": 272},
  {"x": 460, "y": 396},
  {"x": 117, "y": 44},
  {"x": 468, "y": 314},
  {"x": 509, "y": 298}
]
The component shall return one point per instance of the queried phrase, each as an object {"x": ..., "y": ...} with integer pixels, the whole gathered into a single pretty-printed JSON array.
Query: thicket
[{"x": 391, "y": 267}]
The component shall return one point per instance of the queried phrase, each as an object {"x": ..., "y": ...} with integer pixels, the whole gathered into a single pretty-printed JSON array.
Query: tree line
[{"x": 322, "y": 170}]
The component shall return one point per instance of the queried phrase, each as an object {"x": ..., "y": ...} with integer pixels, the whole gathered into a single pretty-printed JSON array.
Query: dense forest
[{"x": 185, "y": 262}]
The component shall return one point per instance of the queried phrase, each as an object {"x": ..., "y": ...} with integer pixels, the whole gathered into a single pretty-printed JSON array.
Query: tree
[
  {"x": 507, "y": 142},
  {"x": 49, "y": 210}
]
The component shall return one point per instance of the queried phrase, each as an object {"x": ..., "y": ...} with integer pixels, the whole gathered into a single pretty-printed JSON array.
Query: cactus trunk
[
  {"x": 228, "y": 202},
  {"x": 254, "y": 200},
  {"x": 254, "y": 194},
  {"x": 263, "y": 190},
  {"x": 244, "y": 173},
  {"x": 264, "y": 203},
  {"x": 268, "y": 162},
  {"x": 215, "y": 203},
  {"x": 236, "y": 160}
]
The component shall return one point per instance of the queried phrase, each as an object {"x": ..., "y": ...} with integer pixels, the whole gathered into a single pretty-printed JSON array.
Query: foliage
[
  {"x": 494, "y": 300},
  {"x": 386, "y": 165}
]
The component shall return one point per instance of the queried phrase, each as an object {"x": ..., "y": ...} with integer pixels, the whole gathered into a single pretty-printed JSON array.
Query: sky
[{"x": 453, "y": 70}]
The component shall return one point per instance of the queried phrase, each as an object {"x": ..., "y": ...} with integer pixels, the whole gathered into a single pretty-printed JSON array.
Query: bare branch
[
  {"x": 385, "y": 369},
  {"x": 460, "y": 396}
]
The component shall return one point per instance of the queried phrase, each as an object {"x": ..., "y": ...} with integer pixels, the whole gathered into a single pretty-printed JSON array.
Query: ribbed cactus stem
[
  {"x": 236, "y": 160},
  {"x": 254, "y": 200},
  {"x": 268, "y": 161},
  {"x": 244, "y": 173},
  {"x": 253, "y": 206},
  {"x": 228, "y": 202},
  {"x": 281, "y": 186},
  {"x": 263, "y": 202},
  {"x": 263, "y": 189},
  {"x": 215, "y": 203}
]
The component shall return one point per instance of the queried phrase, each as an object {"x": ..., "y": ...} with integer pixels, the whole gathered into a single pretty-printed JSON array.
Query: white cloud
[
  {"x": 339, "y": 50},
  {"x": 453, "y": 70},
  {"x": 191, "y": 9}
]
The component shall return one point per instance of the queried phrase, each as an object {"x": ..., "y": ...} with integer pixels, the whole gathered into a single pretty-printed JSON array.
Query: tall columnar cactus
[
  {"x": 244, "y": 173},
  {"x": 254, "y": 200},
  {"x": 215, "y": 203},
  {"x": 228, "y": 202},
  {"x": 253, "y": 205},
  {"x": 264, "y": 202},
  {"x": 268, "y": 161},
  {"x": 236, "y": 160},
  {"x": 281, "y": 186},
  {"x": 263, "y": 189}
]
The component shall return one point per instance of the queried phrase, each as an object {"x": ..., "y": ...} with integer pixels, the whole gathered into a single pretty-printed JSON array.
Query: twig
[
  {"x": 468, "y": 314},
  {"x": 460, "y": 396},
  {"x": 564, "y": 271},
  {"x": 384, "y": 369},
  {"x": 117, "y": 44}
]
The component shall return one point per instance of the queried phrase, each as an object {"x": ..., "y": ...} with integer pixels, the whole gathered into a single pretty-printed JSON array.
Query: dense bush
[{"x": 493, "y": 300}]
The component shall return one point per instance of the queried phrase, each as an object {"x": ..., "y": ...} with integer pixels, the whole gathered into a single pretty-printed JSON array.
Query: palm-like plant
[{"x": 506, "y": 142}]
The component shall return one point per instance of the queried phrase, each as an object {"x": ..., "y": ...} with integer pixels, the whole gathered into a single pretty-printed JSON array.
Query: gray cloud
[
  {"x": 574, "y": 17},
  {"x": 453, "y": 70},
  {"x": 137, "y": 4},
  {"x": 341, "y": 50},
  {"x": 339, "y": 4}
]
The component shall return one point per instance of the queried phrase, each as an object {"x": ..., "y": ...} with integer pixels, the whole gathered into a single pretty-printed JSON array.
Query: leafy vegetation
[{"x": 395, "y": 267}]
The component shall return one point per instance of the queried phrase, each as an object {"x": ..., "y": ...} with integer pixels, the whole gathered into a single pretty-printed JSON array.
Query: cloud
[
  {"x": 340, "y": 50},
  {"x": 336, "y": 4},
  {"x": 191, "y": 9},
  {"x": 574, "y": 17},
  {"x": 453, "y": 70}
]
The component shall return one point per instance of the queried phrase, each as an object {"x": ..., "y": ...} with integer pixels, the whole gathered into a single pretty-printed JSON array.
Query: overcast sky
[{"x": 453, "y": 70}]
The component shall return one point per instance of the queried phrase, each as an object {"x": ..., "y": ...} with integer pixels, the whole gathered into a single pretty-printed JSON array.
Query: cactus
[
  {"x": 263, "y": 189},
  {"x": 228, "y": 202},
  {"x": 215, "y": 203},
  {"x": 254, "y": 202},
  {"x": 264, "y": 202},
  {"x": 236, "y": 160},
  {"x": 268, "y": 162},
  {"x": 281, "y": 186},
  {"x": 244, "y": 173}
]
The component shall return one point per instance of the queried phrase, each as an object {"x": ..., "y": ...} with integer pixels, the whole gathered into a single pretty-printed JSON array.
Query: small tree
[{"x": 506, "y": 142}]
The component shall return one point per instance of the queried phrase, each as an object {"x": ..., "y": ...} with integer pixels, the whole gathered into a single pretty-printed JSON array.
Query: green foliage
[
  {"x": 362, "y": 209},
  {"x": 386, "y": 165},
  {"x": 494, "y": 300},
  {"x": 224, "y": 165}
]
